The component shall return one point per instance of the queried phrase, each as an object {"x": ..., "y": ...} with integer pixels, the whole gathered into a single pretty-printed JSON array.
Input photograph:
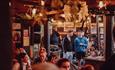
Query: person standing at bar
[
  {"x": 54, "y": 37},
  {"x": 67, "y": 46},
  {"x": 80, "y": 46}
]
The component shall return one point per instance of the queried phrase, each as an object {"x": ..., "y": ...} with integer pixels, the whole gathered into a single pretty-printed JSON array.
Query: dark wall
[{"x": 5, "y": 37}]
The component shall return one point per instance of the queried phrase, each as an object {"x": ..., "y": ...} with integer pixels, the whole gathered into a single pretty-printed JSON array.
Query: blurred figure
[
  {"x": 22, "y": 50},
  {"x": 54, "y": 58},
  {"x": 87, "y": 67},
  {"x": 73, "y": 39},
  {"x": 16, "y": 65},
  {"x": 42, "y": 56},
  {"x": 67, "y": 46},
  {"x": 80, "y": 45},
  {"x": 54, "y": 38},
  {"x": 21, "y": 62},
  {"x": 45, "y": 66},
  {"x": 65, "y": 64},
  {"x": 74, "y": 36}
]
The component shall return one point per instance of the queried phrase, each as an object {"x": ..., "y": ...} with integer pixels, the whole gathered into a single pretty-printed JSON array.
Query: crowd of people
[
  {"x": 74, "y": 46},
  {"x": 42, "y": 62}
]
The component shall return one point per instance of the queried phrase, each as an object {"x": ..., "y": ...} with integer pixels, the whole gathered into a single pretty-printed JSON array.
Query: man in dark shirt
[
  {"x": 54, "y": 39},
  {"x": 67, "y": 46}
]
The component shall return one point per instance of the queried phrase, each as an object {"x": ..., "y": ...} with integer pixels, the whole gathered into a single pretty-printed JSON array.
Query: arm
[
  {"x": 76, "y": 44},
  {"x": 63, "y": 44},
  {"x": 16, "y": 66}
]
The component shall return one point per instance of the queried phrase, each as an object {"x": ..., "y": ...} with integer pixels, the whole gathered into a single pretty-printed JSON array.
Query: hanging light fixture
[
  {"x": 42, "y": 3},
  {"x": 9, "y": 3},
  {"x": 101, "y": 4},
  {"x": 34, "y": 10}
]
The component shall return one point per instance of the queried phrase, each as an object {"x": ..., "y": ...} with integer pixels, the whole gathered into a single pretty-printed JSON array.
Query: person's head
[
  {"x": 24, "y": 57},
  {"x": 42, "y": 54},
  {"x": 54, "y": 58},
  {"x": 63, "y": 64},
  {"x": 45, "y": 66},
  {"x": 42, "y": 49},
  {"x": 74, "y": 32},
  {"x": 88, "y": 67},
  {"x": 70, "y": 33},
  {"x": 80, "y": 33}
]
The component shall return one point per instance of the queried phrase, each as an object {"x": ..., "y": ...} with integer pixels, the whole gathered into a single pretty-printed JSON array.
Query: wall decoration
[{"x": 26, "y": 40}]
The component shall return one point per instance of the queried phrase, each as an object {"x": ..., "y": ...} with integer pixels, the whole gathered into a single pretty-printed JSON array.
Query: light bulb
[
  {"x": 101, "y": 4},
  {"x": 42, "y": 3},
  {"x": 34, "y": 12}
]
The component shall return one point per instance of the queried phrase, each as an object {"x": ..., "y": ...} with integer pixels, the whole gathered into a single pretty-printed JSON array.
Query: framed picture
[
  {"x": 100, "y": 19},
  {"x": 16, "y": 26},
  {"x": 101, "y": 36},
  {"x": 26, "y": 33},
  {"x": 93, "y": 28},
  {"x": 16, "y": 36},
  {"x": 26, "y": 40},
  {"x": 101, "y": 30}
]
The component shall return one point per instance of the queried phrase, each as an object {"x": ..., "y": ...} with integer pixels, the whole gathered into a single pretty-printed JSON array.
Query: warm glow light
[
  {"x": 101, "y": 4},
  {"x": 42, "y": 3},
  {"x": 88, "y": 18},
  {"x": 99, "y": 18},
  {"x": 34, "y": 12},
  {"x": 52, "y": 19},
  {"x": 9, "y": 3},
  {"x": 63, "y": 15},
  {"x": 40, "y": 14},
  {"x": 94, "y": 15}
]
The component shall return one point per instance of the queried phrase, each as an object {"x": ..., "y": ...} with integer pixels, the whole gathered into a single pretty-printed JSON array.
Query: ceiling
[{"x": 18, "y": 5}]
